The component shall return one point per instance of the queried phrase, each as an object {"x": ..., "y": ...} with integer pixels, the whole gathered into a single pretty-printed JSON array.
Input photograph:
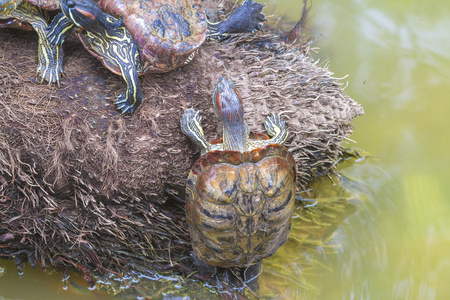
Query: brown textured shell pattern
[
  {"x": 168, "y": 32},
  {"x": 239, "y": 205}
]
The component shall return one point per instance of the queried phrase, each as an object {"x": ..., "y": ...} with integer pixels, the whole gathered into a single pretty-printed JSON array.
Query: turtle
[
  {"x": 33, "y": 15},
  {"x": 135, "y": 37},
  {"x": 240, "y": 193}
]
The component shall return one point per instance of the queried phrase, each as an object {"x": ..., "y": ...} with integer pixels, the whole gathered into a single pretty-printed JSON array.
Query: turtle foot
[
  {"x": 191, "y": 121},
  {"x": 126, "y": 104},
  {"x": 251, "y": 16},
  {"x": 49, "y": 63},
  {"x": 246, "y": 18},
  {"x": 192, "y": 128},
  {"x": 274, "y": 125}
]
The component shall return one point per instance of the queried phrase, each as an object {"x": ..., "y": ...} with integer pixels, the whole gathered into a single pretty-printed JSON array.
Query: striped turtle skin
[
  {"x": 166, "y": 33},
  {"x": 32, "y": 15},
  {"x": 170, "y": 32}
]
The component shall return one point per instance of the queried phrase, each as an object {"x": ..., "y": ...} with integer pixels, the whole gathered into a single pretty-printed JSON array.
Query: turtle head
[
  {"x": 87, "y": 15},
  {"x": 228, "y": 107}
]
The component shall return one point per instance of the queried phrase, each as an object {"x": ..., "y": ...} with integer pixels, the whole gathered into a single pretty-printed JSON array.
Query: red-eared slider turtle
[
  {"x": 32, "y": 14},
  {"x": 240, "y": 193},
  {"x": 146, "y": 36}
]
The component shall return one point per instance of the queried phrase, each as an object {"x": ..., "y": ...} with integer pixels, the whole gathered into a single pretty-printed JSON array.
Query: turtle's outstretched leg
[
  {"x": 106, "y": 38},
  {"x": 132, "y": 97},
  {"x": 50, "y": 57},
  {"x": 59, "y": 29},
  {"x": 116, "y": 48},
  {"x": 276, "y": 128},
  {"x": 125, "y": 53},
  {"x": 191, "y": 126},
  {"x": 246, "y": 18}
]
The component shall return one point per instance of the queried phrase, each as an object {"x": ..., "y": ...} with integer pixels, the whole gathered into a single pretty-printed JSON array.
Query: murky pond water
[{"x": 394, "y": 242}]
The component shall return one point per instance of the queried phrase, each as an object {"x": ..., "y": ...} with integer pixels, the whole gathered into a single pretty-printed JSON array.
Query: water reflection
[
  {"x": 398, "y": 64},
  {"x": 409, "y": 44}
]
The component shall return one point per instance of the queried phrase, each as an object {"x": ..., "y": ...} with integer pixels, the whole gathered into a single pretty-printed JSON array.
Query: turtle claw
[
  {"x": 246, "y": 18},
  {"x": 123, "y": 103},
  {"x": 49, "y": 63},
  {"x": 190, "y": 120},
  {"x": 259, "y": 27},
  {"x": 192, "y": 127},
  {"x": 251, "y": 15},
  {"x": 274, "y": 125}
]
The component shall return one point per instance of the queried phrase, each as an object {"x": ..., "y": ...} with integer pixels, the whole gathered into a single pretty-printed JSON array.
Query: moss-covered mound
[{"x": 81, "y": 185}]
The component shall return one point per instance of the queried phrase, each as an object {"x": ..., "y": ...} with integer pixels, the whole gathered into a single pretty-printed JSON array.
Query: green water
[
  {"x": 395, "y": 243},
  {"x": 397, "y": 57}
]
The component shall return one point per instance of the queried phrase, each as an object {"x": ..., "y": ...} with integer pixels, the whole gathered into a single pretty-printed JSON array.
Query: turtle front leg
[
  {"x": 132, "y": 97},
  {"x": 246, "y": 18},
  {"x": 50, "y": 57},
  {"x": 124, "y": 53},
  {"x": 117, "y": 50},
  {"x": 58, "y": 30},
  {"x": 191, "y": 126},
  {"x": 276, "y": 128},
  {"x": 50, "y": 60}
]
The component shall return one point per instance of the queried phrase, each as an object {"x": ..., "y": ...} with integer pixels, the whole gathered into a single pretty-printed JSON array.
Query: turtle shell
[
  {"x": 168, "y": 32},
  {"x": 45, "y": 4},
  {"x": 239, "y": 205}
]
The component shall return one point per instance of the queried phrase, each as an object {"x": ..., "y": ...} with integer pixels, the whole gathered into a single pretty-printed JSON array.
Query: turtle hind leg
[
  {"x": 246, "y": 18},
  {"x": 49, "y": 57}
]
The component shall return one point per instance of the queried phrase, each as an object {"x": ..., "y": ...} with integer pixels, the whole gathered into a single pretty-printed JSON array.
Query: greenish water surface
[{"x": 395, "y": 242}]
